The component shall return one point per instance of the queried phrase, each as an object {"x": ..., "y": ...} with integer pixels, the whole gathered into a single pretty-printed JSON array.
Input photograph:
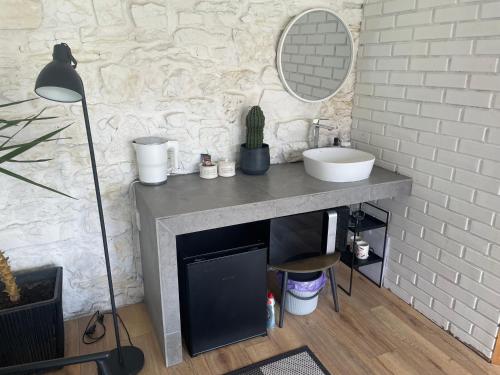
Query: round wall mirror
[{"x": 315, "y": 55}]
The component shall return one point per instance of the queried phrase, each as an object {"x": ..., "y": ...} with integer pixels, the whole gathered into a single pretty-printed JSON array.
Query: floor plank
[
  {"x": 496, "y": 353},
  {"x": 374, "y": 333}
]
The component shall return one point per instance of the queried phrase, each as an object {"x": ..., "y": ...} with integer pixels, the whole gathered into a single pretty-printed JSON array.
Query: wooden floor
[{"x": 374, "y": 333}]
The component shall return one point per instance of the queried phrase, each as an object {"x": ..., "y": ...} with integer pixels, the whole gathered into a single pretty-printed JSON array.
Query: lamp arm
[{"x": 103, "y": 227}]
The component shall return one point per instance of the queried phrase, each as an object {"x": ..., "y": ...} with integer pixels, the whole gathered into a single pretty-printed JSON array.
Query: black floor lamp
[{"x": 60, "y": 82}]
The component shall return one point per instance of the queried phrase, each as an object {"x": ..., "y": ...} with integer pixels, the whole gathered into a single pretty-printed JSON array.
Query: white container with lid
[
  {"x": 156, "y": 158},
  {"x": 227, "y": 168},
  {"x": 208, "y": 172}
]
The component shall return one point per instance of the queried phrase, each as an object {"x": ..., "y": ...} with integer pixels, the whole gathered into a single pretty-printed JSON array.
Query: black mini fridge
[{"x": 222, "y": 286}]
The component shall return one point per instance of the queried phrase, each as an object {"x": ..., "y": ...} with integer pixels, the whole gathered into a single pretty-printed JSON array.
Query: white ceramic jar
[
  {"x": 208, "y": 171},
  {"x": 227, "y": 168}
]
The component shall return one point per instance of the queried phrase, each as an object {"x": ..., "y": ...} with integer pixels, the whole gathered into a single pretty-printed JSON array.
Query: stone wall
[
  {"x": 183, "y": 69},
  {"x": 428, "y": 106}
]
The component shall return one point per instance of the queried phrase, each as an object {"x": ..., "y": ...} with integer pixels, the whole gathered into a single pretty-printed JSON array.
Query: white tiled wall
[{"x": 427, "y": 104}]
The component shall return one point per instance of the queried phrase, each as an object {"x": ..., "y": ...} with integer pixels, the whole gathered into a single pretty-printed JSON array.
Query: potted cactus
[
  {"x": 31, "y": 316},
  {"x": 254, "y": 154}
]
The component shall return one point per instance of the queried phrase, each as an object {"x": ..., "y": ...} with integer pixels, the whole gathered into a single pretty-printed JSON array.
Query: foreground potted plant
[
  {"x": 254, "y": 154},
  {"x": 31, "y": 316}
]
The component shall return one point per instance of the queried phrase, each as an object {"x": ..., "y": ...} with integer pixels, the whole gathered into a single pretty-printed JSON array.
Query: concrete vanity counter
[{"x": 188, "y": 204}]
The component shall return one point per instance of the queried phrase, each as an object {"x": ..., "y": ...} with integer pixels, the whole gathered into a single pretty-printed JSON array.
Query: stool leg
[
  {"x": 333, "y": 284},
  {"x": 283, "y": 298}
]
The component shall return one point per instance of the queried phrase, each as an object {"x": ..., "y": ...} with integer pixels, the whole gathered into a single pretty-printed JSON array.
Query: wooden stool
[{"x": 308, "y": 265}]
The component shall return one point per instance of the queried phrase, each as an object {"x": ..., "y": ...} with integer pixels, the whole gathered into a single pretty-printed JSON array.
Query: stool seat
[{"x": 307, "y": 265}]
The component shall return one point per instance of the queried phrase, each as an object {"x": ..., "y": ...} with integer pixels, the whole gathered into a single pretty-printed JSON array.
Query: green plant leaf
[
  {"x": 30, "y": 145},
  {"x": 11, "y": 123},
  {"x": 28, "y": 161},
  {"x": 20, "y": 148},
  {"x": 23, "y": 144},
  {"x": 18, "y": 102},
  {"x": 4, "y": 121},
  {"x": 19, "y": 177},
  {"x": 33, "y": 118}
]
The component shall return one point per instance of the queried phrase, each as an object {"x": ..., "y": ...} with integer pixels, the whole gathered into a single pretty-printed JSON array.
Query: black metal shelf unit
[{"x": 360, "y": 221}]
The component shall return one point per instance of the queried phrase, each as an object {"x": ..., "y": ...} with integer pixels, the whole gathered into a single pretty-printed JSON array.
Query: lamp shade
[{"x": 59, "y": 80}]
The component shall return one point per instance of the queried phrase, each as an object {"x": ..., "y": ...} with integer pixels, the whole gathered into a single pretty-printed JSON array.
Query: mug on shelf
[{"x": 362, "y": 249}]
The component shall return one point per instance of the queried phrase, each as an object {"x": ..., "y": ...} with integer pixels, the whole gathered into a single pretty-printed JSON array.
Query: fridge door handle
[{"x": 331, "y": 234}]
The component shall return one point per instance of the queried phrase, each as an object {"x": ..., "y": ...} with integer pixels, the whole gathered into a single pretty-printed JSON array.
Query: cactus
[
  {"x": 8, "y": 279},
  {"x": 255, "y": 127}
]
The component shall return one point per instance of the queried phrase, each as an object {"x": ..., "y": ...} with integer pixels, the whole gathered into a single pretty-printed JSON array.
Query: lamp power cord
[{"x": 96, "y": 328}]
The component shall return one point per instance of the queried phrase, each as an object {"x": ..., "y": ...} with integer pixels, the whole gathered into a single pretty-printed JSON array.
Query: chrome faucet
[{"x": 316, "y": 126}]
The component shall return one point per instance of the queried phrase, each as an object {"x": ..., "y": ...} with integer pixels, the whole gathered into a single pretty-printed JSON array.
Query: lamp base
[{"x": 133, "y": 362}]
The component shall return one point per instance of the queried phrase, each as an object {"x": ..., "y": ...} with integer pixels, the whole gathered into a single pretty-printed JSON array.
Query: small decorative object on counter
[
  {"x": 227, "y": 168},
  {"x": 206, "y": 160},
  {"x": 208, "y": 170},
  {"x": 271, "y": 321},
  {"x": 254, "y": 154}
]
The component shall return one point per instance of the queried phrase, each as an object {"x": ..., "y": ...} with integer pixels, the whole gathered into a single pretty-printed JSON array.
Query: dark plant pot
[
  {"x": 35, "y": 331},
  {"x": 254, "y": 161}
]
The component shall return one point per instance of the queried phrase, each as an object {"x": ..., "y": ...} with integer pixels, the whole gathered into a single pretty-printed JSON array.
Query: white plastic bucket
[
  {"x": 303, "y": 289},
  {"x": 297, "y": 306}
]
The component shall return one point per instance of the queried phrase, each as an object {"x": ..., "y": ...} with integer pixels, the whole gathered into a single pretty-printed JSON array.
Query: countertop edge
[{"x": 255, "y": 211}]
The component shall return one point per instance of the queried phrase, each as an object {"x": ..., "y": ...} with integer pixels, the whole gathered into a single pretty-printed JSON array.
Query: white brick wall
[{"x": 427, "y": 106}]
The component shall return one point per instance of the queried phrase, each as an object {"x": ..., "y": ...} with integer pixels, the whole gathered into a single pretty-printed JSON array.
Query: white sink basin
[{"x": 338, "y": 164}]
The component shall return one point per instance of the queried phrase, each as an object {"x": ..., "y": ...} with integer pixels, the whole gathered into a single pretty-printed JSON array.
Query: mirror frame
[{"x": 280, "y": 50}]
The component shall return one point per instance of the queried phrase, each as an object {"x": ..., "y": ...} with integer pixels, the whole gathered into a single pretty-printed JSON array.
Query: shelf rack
[{"x": 356, "y": 226}]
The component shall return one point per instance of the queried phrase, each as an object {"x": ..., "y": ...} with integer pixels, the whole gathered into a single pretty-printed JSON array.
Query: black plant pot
[
  {"x": 35, "y": 331},
  {"x": 254, "y": 161}
]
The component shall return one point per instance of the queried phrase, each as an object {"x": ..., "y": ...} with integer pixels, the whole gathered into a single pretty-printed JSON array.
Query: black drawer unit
[{"x": 222, "y": 282}]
